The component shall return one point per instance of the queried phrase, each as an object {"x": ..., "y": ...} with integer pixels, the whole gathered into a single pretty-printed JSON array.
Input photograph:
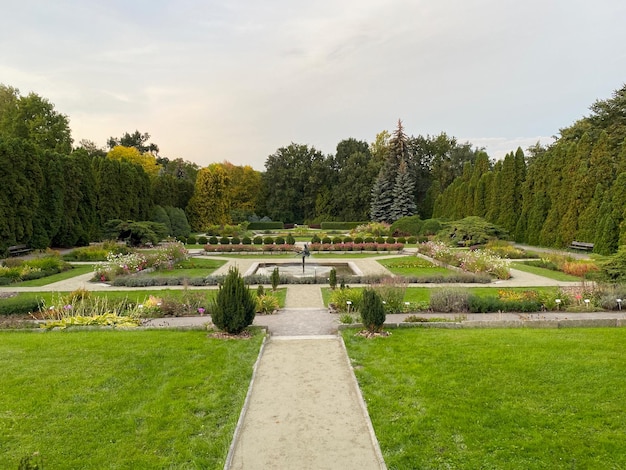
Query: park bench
[
  {"x": 581, "y": 246},
  {"x": 17, "y": 250}
]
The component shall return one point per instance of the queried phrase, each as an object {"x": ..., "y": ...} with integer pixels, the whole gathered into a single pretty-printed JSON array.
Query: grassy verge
[
  {"x": 515, "y": 399},
  {"x": 121, "y": 399},
  {"x": 549, "y": 273},
  {"x": 77, "y": 270}
]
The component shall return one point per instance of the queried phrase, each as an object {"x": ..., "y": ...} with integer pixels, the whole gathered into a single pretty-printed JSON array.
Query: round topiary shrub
[
  {"x": 202, "y": 240},
  {"x": 347, "y": 240},
  {"x": 380, "y": 240},
  {"x": 191, "y": 240},
  {"x": 258, "y": 240},
  {"x": 411, "y": 240},
  {"x": 279, "y": 241},
  {"x": 234, "y": 306},
  {"x": 246, "y": 241},
  {"x": 290, "y": 240},
  {"x": 316, "y": 239},
  {"x": 213, "y": 240},
  {"x": 235, "y": 241},
  {"x": 369, "y": 240},
  {"x": 401, "y": 240},
  {"x": 337, "y": 240},
  {"x": 182, "y": 239},
  {"x": 358, "y": 239},
  {"x": 326, "y": 240},
  {"x": 224, "y": 241},
  {"x": 390, "y": 240},
  {"x": 268, "y": 241}
]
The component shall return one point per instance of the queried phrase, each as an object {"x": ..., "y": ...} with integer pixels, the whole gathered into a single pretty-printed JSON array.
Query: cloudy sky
[{"x": 237, "y": 79}]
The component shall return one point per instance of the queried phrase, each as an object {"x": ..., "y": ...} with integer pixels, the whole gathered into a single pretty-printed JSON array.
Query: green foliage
[
  {"x": 268, "y": 240},
  {"x": 18, "y": 306},
  {"x": 340, "y": 225},
  {"x": 471, "y": 231},
  {"x": 266, "y": 226},
  {"x": 191, "y": 240},
  {"x": 279, "y": 240},
  {"x": 224, "y": 241},
  {"x": 266, "y": 304},
  {"x": 290, "y": 240},
  {"x": 202, "y": 240},
  {"x": 258, "y": 240},
  {"x": 234, "y": 306},
  {"x": 410, "y": 225},
  {"x": 246, "y": 240},
  {"x": 275, "y": 278},
  {"x": 372, "y": 310},
  {"x": 614, "y": 268},
  {"x": 213, "y": 240},
  {"x": 430, "y": 227},
  {"x": 332, "y": 278},
  {"x": 135, "y": 233},
  {"x": 339, "y": 299}
]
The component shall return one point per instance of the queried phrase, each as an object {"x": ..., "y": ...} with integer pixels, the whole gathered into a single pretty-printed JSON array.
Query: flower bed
[{"x": 477, "y": 261}]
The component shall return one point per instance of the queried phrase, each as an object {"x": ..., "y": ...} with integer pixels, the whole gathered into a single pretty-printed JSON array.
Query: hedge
[
  {"x": 266, "y": 226},
  {"x": 341, "y": 225}
]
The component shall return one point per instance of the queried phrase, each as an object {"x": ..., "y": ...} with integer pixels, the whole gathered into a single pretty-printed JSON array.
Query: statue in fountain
[{"x": 304, "y": 253}]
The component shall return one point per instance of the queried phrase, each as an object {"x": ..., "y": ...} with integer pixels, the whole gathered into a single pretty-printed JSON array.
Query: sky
[{"x": 236, "y": 80}]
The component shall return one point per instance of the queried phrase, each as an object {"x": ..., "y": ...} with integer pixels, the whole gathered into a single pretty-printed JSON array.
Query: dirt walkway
[{"x": 305, "y": 411}]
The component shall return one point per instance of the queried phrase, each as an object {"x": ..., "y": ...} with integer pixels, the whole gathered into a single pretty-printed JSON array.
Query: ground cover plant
[
  {"x": 515, "y": 399},
  {"x": 121, "y": 399}
]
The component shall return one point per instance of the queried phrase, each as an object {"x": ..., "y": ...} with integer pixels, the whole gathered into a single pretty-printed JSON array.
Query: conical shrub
[
  {"x": 234, "y": 306},
  {"x": 372, "y": 310}
]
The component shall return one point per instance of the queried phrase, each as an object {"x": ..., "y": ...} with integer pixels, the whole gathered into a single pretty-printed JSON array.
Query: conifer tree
[
  {"x": 403, "y": 204},
  {"x": 234, "y": 306},
  {"x": 372, "y": 310}
]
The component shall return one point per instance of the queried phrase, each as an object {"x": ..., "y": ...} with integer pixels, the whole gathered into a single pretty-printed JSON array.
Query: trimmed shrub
[
  {"x": 268, "y": 241},
  {"x": 411, "y": 225},
  {"x": 380, "y": 240},
  {"x": 332, "y": 278},
  {"x": 246, "y": 241},
  {"x": 203, "y": 240},
  {"x": 326, "y": 240},
  {"x": 213, "y": 240},
  {"x": 275, "y": 278},
  {"x": 430, "y": 227},
  {"x": 369, "y": 240},
  {"x": 358, "y": 240},
  {"x": 411, "y": 240},
  {"x": 191, "y": 240},
  {"x": 290, "y": 240},
  {"x": 348, "y": 240},
  {"x": 401, "y": 240},
  {"x": 316, "y": 239},
  {"x": 372, "y": 310},
  {"x": 235, "y": 241},
  {"x": 337, "y": 240},
  {"x": 266, "y": 226},
  {"x": 390, "y": 240},
  {"x": 234, "y": 307},
  {"x": 279, "y": 240},
  {"x": 224, "y": 241},
  {"x": 258, "y": 240}
]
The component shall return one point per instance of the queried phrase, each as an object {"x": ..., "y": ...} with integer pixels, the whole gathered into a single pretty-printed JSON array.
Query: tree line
[{"x": 55, "y": 193}]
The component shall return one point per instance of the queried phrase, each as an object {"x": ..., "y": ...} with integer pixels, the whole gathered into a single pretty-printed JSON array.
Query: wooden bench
[
  {"x": 581, "y": 246},
  {"x": 17, "y": 250}
]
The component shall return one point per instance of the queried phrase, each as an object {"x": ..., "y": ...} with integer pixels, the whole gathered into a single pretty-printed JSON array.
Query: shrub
[
  {"x": 337, "y": 240},
  {"x": 390, "y": 240},
  {"x": 246, "y": 241},
  {"x": 266, "y": 226},
  {"x": 279, "y": 240},
  {"x": 191, "y": 240},
  {"x": 579, "y": 268},
  {"x": 268, "y": 241},
  {"x": 347, "y": 240},
  {"x": 380, "y": 240},
  {"x": 430, "y": 227},
  {"x": 401, "y": 240},
  {"x": 411, "y": 225},
  {"x": 471, "y": 231},
  {"x": 213, "y": 240},
  {"x": 258, "y": 240},
  {"x": 202, "y": 240},
  {"x": 316, "y": 239},
  {"x": 410, "y": 240},
  {"x": 290, "y": 240},
  {"x": 449, "y": 300},
  {"x": 391, "y": 292},
  {"x": 332, "y": 278},
  {"x": 234, "y": 307},
  {"x": 326, "y": 240},
  {"x": 235, "y": 240},
  {"x": 372, "y": 310},
  {"x": 224, "y": 241},
  {"x": 275, "y": 278},
  {"x": 368, "y": 240},
  {"x": 18, "y": 306},
  {"x": 267, "y": 304},
  {"x": 339, "y": 298},
  {"x": 358, "y": 240}
]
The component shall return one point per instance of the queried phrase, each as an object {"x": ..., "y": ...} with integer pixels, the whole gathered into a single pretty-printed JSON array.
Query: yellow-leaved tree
[
  {"x": 131, "y": 154},
  {"x": 210, "y": 203}
]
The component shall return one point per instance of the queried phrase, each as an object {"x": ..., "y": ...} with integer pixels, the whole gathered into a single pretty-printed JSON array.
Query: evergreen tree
[
  {"x": 382, "y": 198},
  {"x": 234, "y": 306},
  {"x": 372, "y": 310},
  {"x": 403, "y": 204}
]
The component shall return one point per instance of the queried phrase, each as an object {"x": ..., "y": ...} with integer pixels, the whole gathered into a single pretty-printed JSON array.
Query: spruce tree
[
  {"x": 382, "y": 198},
  {"x": 403, "y": 204},
  {"x": 234, "y": 306}
]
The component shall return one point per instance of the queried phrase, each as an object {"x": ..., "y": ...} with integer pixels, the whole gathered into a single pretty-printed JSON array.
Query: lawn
[
  {"x": 549, "y": 273},
  {"x": 121, "y": 399},
  {"x": 413, "y": 266},
  {"x": 77, "y": 270},
  {"x": 491, "y": 399},
  {"x": 192, "y": 267}
]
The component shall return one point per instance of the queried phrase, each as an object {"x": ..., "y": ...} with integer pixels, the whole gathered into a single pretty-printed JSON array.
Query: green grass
[
  {"x": 70, "y": 273},
  {"x": 549, "y": 273},
  {"x": 496, "y": 399},
  {"x": 121, "y": 399},
  {"x": 413, "y": 266},
  {"x": 193, "y": 267}
]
